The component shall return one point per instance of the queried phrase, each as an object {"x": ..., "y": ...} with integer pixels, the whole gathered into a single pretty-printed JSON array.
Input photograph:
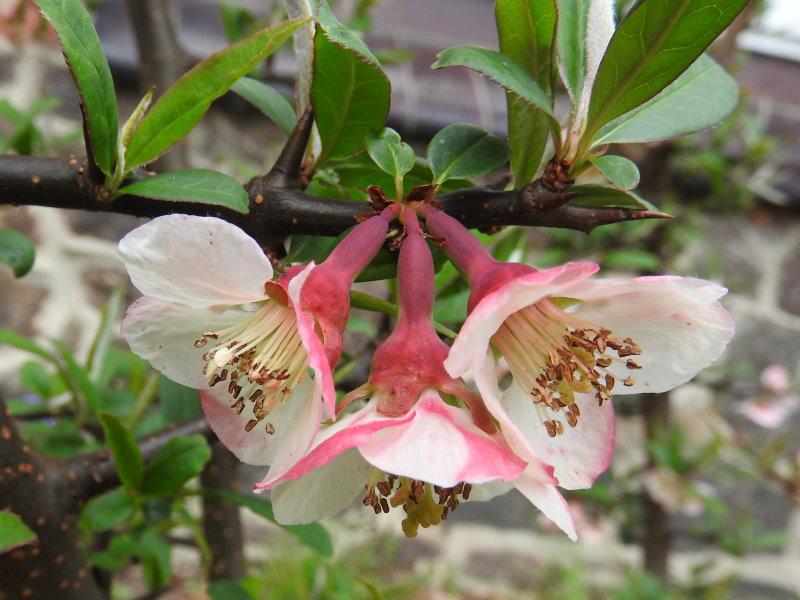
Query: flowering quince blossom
[
  {"x": 408, "y": 446},
  {"x": 776, "y": 404},
  {"x": 211, "y": 317},
  {"x": 570, "y": 342}
]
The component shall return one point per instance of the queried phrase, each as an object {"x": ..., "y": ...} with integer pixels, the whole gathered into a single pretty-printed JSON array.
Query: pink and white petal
[
  {"x": 295, "y": 420},
  {"x": 196, "y": 261},
  {"x": 332, "y": 441},
  {"x": 487, "y": 491},
  {"x": 578, "y": 456},
  {"x": 486, "y": 379},
  {"x": 323, "y": 492},
  {"x": 164, "y": 335},
  {"x": 487, "y": 317},
  {"x": 440, "y": 445},
  {"x": 317, "y": 359},
  {"x": 549, "y": 500}
]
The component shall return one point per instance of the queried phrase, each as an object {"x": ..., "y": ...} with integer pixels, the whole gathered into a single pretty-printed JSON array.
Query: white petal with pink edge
[
  {"x": 334, "y": 440},
  {"x": 323, "y": 492},
  {"x": 582, "y": 452},
  {"x": 295, "y": 420},
  {"x": 164, "y": 334},
  {"x": 676, "y": 321},
  {"x": 485, "y": 374},
  {"x": 313, "y": 345},
  {"x": 487, "y": 317},
  {"x": 549, "y": 500},
  {"x": 440, "y": 445},
  {"x": 196, "y": 261}
]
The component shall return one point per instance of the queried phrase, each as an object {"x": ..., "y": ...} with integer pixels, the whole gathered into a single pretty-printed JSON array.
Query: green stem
[{"x": 143, "y": 401}]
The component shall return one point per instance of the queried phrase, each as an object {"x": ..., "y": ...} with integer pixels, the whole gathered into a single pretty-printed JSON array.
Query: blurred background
[{"x": 702, "y": 499}]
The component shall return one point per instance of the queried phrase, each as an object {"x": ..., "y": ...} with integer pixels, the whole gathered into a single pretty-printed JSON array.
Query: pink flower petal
[
  {"x": 322, "y": 492},
  {"x": 440, "y": 446},
  {"x": 486, "y": 378},
  {"x": 195, "y": 261},
  {"x": 164, "y": 334},
  {"x": 676, "y": 321},
  {"x": 317, "y": 359},
  {"x": 486, "y": 318},
  {"x": 296, "y": 421},
  {"x": 549, "y": 500},
  {"x": 348, "y": 432},
  {"x": 581, "y": 453}
]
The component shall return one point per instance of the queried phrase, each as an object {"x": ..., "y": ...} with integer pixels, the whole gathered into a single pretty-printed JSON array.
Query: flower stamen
[
  {"x": 553, "y": 355},
  {"x": 264, "y": 357}
]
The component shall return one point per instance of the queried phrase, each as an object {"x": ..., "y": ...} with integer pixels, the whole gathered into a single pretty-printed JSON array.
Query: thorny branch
[{"x": 279, "y": 206}]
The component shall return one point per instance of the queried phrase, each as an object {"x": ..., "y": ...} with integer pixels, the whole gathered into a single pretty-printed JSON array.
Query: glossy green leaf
[
  {"x": 192, "y": 185},
  {"x": 179, "y": 461},
  {"x": 598, "y": 196},
  {"x": 465, "y": 151},
  {"x": 618, "y": 170},
  {"x": 17, "y": 251},
  {"x": 84, "y": 55},
  {"x": 268, "y": 100},
  {"x": 390, "y": 153},
  {"x": 526, "y": 29},
  {"x": 632, "y": 259},
  {"x": 700, "y": 98},
  {"x": 313, "y": 535},
  {"x": 654, "y": 44},
  {"x": 13, "y": 532},
  {"x": 182, "y": 106},
  {"x": 107, "y": 511},
  {"x": 571, "y": 44},
  {"x": 350, "y": 92},
  {"x": 127, "y": 456},
  {"x": 499, "y": 68}
]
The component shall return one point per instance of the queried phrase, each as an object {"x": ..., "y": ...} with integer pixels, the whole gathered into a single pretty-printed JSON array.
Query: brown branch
[
  {"x": 92, "y": 474},
  {"x": 277, "y": 212}
]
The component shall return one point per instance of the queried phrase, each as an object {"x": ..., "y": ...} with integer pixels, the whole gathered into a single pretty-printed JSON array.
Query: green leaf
[
  {"x": 182, "y": 106},
  {"x": 18, "y": 341},
  {"x": 465, "y": 151},
  {"x": 313, "y": 535},
  {"x": 390, "y": 153},
  {"x": 179, "y": 461},
  {"x": 632, "y": 260},
  {"x": 17, "y": 251},
  {"x": 268, "y": 100},
  {"x": 13, "y": 532},
  {"x": 700, "y": 98},
  {"x": 364, "y": 301},
  {"x": 192, "y": 185},
  {"x": 599, "y": 196},
  {"x": 84, "y": 55},
  {"x": 127, "y": 456},
  {"x": 499, "y": 68},
  {"x": 34, "y": 378},
  {"x": 78, "y": 378},
  {"x": 225, "y": 589},
  {"x": 618, "y": 170},
  {"x": 350, "y": 92},
  {"x": 571, "y": 44},
  {"x": 526, "y": 29},
  {"x": 177, "y": 403},
  {"x": 654, "y": 44},
  {"x": 107, "y": 511}
]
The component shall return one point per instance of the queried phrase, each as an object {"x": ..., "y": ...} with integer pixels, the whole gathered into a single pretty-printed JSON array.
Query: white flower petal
[
  {"x": 549, "y": 500},
  {"x": 676, "y": 321},
  {"x": 295, "y": 420},
  {"x": 164, "y": 335},
  {"x": 196, "y": 261},
  {"x": 322, "y": 492},
  {"x": 581, "y": 453}
]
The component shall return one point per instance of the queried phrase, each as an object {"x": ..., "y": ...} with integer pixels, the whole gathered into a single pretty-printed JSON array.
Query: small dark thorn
[{"x": 286, "y": 171}]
